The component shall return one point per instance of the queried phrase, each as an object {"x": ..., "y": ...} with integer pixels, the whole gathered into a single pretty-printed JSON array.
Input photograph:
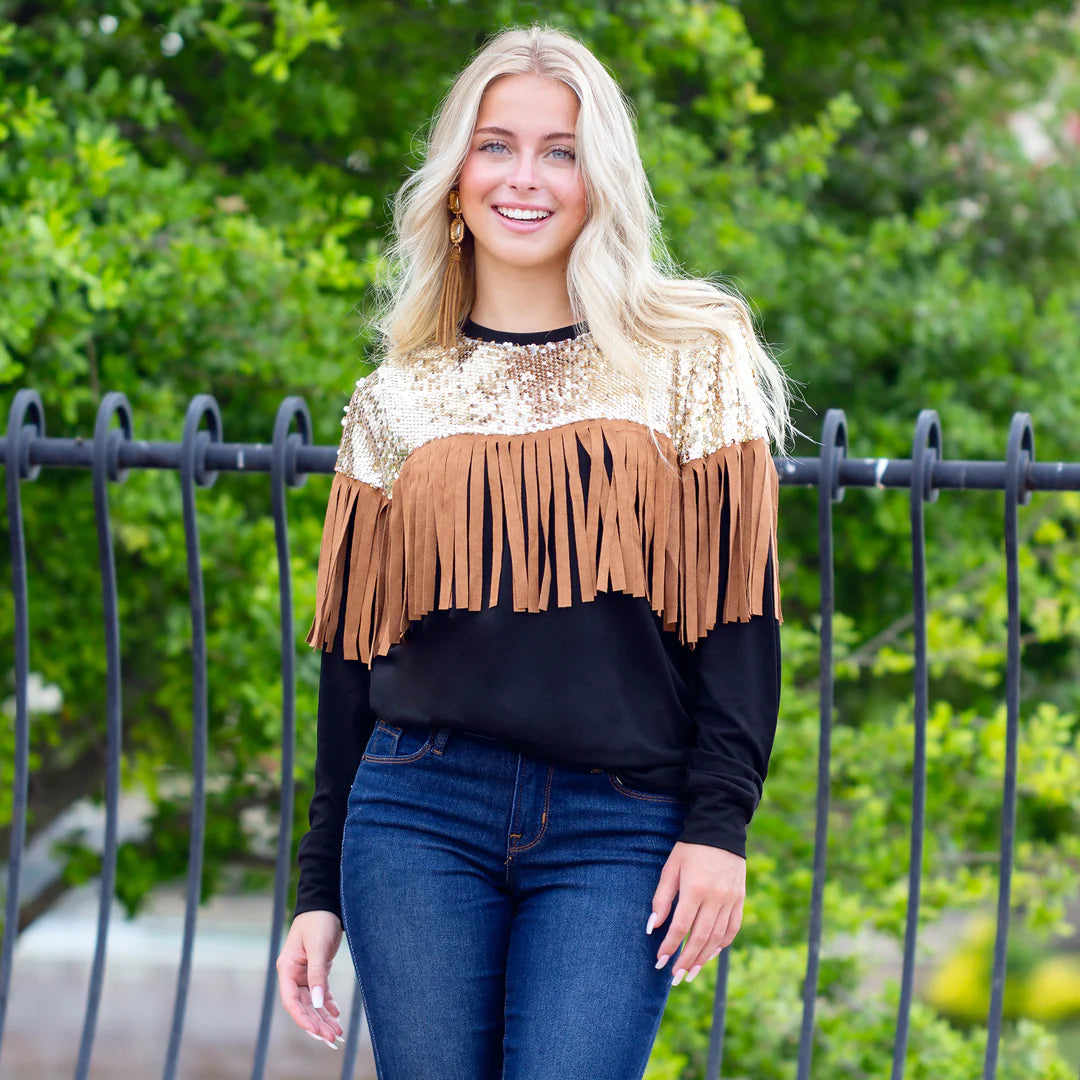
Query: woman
[{"x": 548, "y": 603}]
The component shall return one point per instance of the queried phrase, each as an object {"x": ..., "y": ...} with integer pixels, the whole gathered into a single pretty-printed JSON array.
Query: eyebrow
[{"x": 510, "y": 134}]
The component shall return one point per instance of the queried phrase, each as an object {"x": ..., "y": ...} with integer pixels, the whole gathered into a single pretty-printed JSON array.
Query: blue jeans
[{"x": 495, "y": 907}]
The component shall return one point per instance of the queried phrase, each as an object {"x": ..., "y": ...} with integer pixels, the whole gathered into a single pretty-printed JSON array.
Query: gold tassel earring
[{"x": 450, "y": 301}]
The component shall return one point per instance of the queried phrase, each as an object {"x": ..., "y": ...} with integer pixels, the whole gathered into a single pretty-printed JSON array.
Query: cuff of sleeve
[
  {"x": 319, "y": 887},
  {"x": 727, "y": 831},
  {"x": 316, "y": 904}
]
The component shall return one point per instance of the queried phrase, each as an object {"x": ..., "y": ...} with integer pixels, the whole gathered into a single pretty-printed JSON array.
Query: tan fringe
[{"x": 651, "y": 528}]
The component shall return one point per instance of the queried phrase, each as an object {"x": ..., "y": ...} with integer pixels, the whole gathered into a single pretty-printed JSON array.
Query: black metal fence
[{"x": 201, "y": 454}]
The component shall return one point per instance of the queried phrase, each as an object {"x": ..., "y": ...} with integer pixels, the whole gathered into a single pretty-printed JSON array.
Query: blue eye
[{"x": 495, "y": 144}]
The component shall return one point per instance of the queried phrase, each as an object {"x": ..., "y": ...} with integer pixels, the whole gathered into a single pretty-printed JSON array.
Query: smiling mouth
[{"x": 522, "y": 215}]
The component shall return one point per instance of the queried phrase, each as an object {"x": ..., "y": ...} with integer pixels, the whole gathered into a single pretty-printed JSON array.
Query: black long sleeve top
[{"x": 600, "y": 683}]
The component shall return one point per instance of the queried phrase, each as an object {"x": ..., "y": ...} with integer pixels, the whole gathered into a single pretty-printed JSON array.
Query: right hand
[{"x": 303, "y": 968}]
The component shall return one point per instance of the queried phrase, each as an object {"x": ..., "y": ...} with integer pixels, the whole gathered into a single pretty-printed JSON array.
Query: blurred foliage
[
  {"x": 854, "y": 1031},
  {"x": 195, "y": 197},
  {"x": 1042, "y": 986}
]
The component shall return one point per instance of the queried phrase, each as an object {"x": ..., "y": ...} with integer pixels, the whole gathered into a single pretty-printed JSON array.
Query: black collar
[{"x": 539, "y": 337}]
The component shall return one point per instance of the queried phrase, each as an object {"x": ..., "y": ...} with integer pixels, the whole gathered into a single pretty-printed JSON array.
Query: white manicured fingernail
[
  {"x": 313, "y": 1035},
  {"x": 332, "y": 1045},
  {"x": 678, "y": 977},
  {"x": 692, "y": 972},
  {"x": 664, "y": 958},
  {"x": 651, "y": 923},
  {"x": 317, "y": 997}
]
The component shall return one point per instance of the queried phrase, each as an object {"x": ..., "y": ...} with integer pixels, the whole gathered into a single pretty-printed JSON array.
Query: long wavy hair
[{"x": 621, "y": 279}]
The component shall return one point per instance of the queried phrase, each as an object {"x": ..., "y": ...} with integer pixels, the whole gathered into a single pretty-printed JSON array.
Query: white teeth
[{"x": 523, "y": 215}]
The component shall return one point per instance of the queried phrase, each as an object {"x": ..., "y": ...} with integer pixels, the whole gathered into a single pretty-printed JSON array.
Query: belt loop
[{"x": 442, "y": 734}]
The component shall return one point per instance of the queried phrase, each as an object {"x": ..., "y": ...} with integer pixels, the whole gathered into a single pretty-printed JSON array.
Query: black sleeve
[
  {"x": 736, "y": 670},
  {"x": 345, "y": 722}
]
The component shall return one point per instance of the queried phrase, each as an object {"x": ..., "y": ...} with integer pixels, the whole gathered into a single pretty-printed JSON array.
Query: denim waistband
[{"x": 443, "y": 734}]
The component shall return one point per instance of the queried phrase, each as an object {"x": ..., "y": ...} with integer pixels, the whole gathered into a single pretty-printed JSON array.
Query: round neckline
[{"x": 537, "y": 337}]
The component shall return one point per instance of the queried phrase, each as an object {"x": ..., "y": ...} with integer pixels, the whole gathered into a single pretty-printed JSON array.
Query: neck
[{"x": 521, "y": 299}]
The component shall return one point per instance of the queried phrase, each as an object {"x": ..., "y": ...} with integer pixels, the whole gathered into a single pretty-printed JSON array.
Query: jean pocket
[
  {"x": 623, "y": 788},
  {"x": 398, "y": 742}
]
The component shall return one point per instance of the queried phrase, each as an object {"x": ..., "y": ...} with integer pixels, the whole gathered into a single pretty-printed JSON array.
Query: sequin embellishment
[{"x": 701, "y": 399}]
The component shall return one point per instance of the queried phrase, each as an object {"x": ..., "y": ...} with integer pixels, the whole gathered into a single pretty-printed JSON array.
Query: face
[{"x": 521, "y": 195}]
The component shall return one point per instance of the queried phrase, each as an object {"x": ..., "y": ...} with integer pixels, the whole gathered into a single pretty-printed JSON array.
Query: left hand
[{"x": 711, "y": 884}]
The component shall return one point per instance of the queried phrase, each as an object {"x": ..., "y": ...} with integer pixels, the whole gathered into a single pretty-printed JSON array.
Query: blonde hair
[{"x": 621, "y": 278}]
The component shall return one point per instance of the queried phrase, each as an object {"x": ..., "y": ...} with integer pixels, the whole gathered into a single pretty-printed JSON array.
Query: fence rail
[{"x": 289, "y": 458}]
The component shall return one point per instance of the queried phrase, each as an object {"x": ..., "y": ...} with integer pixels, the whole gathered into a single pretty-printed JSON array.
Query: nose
[{"x": 523, "y": 173}]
